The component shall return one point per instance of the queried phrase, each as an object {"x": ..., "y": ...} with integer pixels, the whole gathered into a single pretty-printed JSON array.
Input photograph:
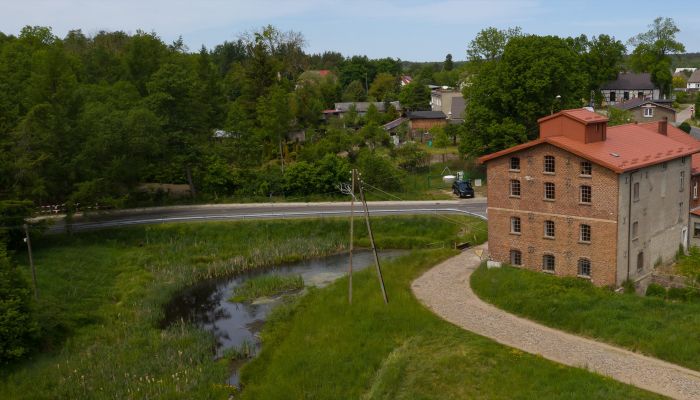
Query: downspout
[{"x": 629, "y": 227}]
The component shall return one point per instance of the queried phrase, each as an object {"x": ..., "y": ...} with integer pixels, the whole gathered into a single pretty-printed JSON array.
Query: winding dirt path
[{"x": 445, "y": 290}]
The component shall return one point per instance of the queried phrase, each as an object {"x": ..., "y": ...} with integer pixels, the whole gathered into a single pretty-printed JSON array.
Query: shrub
[
  {"x": 677, "y": 294},
  {"x": 379, "y": 171},
  {"x": 18, "y": 330},
  {"x": 656, "y": 290},
  {"x": 685, "y": 127}
]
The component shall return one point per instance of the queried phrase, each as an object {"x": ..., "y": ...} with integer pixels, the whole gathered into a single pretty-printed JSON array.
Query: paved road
[
  {"x": 156, "y": 215},
  {"x": 445, "y": 290},
  {"x": 683, "y": 115}
]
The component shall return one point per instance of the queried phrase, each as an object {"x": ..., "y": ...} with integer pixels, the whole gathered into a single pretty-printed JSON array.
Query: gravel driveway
[{"x": 445, "y": 290}]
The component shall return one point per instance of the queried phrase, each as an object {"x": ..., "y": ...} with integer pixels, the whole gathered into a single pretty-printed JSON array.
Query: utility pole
[
  {"x": 352, "y": 225},
  {"x": 374, "y": 247},
  {"x": 31, "y": 261}
]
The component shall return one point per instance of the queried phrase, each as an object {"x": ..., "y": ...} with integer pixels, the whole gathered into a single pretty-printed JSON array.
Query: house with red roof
[{"x": 589, "y": 200}]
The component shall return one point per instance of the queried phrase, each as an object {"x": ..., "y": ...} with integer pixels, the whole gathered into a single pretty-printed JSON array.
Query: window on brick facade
[
  {"x": 695, "y": 191},
  {"x": 549, "y": 192},
  {"x": 585, "y": 233},
  {"x": 549, "y": 229},
  {"x": 586, "y": 168},
  {"x": 516, "y": 257},
  {"x": 584, "y": 267},
  {"x": 635, "y": 191},
  {"x": 514, "y": 224},
  {"x": 549, "y": 164},
  {"x": 682, "y": 181},
  {"x": 548, "y": 262},
  {"x": 515, "y": 187},
  {"x": 586, "y": 194},
  {"x": 515, "y": 163},
  {"x": 635, "y": 230},
  {"x": 696, "y": 229},
  {"x": 640, "y": 261}
]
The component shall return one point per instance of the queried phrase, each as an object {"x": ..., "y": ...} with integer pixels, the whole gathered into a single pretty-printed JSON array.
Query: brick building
[{"x": 584, "y": 199}]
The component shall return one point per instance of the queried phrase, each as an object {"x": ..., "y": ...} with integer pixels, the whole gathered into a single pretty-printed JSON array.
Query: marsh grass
[
  {"x": 319, "y": 347},
  {"x": 265, "y": 286},
  {"x": 660, "y": 328},
  {"x": 102, "y": 296}
]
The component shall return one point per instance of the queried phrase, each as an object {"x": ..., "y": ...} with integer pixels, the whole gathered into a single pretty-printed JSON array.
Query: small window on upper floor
[
  {"x": 635, "y": 230},
  {"x": 549, "y": 192},
  {"x": 549, "y": 229},
  {"x": 515, "y": 188},
  {"x": 515, "y": 163},
  {"x": 682, "y": 181},
  {"x": 585, "y": 233},
  {"x": 586, "y": 194},
  {"x": 515, "y": 225},
  {"x": 635, "y": 191},
  {"x": 549, "y": 164},
  {"x": 695, "y": 191},
  {"x": 586, "y": 168}
]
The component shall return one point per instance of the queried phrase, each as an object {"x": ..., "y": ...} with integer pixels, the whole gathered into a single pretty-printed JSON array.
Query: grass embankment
[
  {"x": 102, "y": 293},
  {"x": 323, "y": 348},
  {"x": 266, "y": 285},
  {"x": 659, "y": 328}
]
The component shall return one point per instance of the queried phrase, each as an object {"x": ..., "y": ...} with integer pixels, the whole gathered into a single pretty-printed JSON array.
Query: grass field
[
  {"x": 101, "y": 298},
  {"x": 656, "y": 327},
  {"x": 323, "y": 348}
]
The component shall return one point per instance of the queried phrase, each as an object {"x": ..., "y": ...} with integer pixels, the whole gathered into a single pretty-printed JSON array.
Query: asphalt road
[{"x": 219, "y": 212}]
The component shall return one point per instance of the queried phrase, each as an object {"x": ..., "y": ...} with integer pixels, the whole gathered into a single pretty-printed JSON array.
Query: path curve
[{"x": 445, "y": 290}]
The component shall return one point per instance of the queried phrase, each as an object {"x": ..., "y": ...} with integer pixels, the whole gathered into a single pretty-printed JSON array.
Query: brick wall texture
[{"x": 565, "y": 211}]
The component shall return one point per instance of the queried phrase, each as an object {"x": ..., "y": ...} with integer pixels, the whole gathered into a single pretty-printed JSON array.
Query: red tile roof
[
  {"x": 695, "y": 211},
  {"x": 626, "y": 147},
  {"x": 579, "y": 114}
]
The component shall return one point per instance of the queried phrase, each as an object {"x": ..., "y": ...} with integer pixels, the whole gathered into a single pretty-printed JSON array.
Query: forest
[{"x": 92, "y": 120}]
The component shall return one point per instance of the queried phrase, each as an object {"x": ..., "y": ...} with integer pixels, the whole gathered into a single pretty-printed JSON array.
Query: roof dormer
[{"x": 579, "y": 124}]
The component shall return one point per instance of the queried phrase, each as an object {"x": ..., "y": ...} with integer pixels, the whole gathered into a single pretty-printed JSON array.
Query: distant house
[
  {"x": 391, "y": 126},
  {"x": 694, "y": 81},
  {"x": 405, "y": 80},
  {"x": 457, "y": 109},
  {"x": 647, "y": 110},
  {"x": 681, "y": 69},
  {"x": 420, "y": 122},
  {"x": 628, "y": 86},
  {"x": 361, "y": 108}
]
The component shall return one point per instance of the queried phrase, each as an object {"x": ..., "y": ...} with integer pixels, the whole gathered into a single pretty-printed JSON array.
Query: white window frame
[{"x": 648, "y": 112}]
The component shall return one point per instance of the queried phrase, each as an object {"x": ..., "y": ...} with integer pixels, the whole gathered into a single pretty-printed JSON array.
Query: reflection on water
[{"x": 235, "y": 324}]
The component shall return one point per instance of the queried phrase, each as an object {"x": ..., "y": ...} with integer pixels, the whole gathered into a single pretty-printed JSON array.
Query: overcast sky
[{"x": 417, "y": 30}]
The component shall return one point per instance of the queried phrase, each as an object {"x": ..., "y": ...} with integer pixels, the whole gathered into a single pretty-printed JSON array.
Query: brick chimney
[{"x": 663, "y": 126}]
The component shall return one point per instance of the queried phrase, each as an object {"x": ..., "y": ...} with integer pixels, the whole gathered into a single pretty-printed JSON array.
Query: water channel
[{"x": 234, "y": 325}]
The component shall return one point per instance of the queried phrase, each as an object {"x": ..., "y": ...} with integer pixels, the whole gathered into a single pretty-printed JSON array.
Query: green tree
[
  {"x": 415, "y": 96},
  {"x": 653, "y": 49},
  {"x": 384, "y": 87},
  {"x": 618, "y": 117},
  {"x": 448, "y": 65},
  {"x": 18, "y": 330},
  {"x": 535, "y": 76},
  {"x": 355, "y": 91},
  {"x": 603, "y": 60},
  {"x": 489, "y": 43}
]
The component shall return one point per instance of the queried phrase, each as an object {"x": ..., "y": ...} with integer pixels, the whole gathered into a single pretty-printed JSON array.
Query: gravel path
[{"x": 445, "y": 290}]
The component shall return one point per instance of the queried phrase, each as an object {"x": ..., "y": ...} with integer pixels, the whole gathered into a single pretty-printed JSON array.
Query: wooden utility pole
[
  {"x": 352, "y": 237},
  {"x": 374, "y": 247},
  {"x": 31, "y": 260}
]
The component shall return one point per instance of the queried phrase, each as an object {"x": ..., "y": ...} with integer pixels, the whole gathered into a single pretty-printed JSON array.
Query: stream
[{"x": 235, "y": 325}]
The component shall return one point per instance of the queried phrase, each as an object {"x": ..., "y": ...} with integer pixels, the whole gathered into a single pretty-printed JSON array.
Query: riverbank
[
  {"x": 102, "y": 293},
  {"x": 324, "y": 348}
]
